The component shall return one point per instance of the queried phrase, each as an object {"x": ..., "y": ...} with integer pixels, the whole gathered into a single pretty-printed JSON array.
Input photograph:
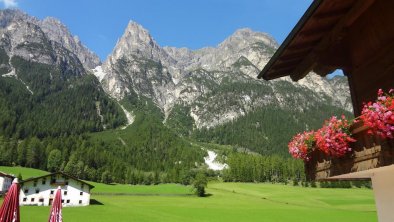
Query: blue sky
[{"x": 180, "y": 23}]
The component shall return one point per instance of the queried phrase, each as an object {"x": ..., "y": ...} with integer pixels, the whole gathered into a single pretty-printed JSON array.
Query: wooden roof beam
[
  {"x": 291, "y": 56},
  {"x": 295, "y": 52},
  {"x": 283, "y": 48},
  {"x": 303, "y": 69},
  {"x": 301, "y": 45},
  {"x": 323, "y": 70},
  {"x": 316, "y": 31},
  {"x": 310, "y": 61},
  {"x": 281, "y": 74},
  {"x": 360, "y": 9},
  {"x": 332, "y": 14},
  {"x": 287, "y": 64},
  {"x": 288, "y": 60},
  {"x": 284, "y": 69}
]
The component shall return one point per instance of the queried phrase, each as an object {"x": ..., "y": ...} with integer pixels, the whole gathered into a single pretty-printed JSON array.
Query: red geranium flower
[
  {"x": 379, "y": 116},
  {"x": 301, "y": 145},
  {"x": 334, "y": 137}
]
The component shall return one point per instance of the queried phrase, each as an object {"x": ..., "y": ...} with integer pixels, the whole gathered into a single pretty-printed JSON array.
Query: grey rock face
[
  {"x": 22, "y": 36},
  {"x": 143, "y": 76},
  {"x": 137, "y": 42},
  {"x": 218, "y": 84},
  {"x": 59, "y": 33},
  {"x": 35, "y": 40},
  {"x": 254, "y": 46},
  {"x": 139, "y": 64}
]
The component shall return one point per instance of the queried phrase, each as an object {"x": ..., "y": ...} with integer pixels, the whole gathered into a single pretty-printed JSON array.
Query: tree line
[{"x": 257, "y": 168}]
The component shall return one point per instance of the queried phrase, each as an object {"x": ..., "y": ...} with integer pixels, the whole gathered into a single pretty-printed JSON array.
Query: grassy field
[
  {"x": 25, "y": 172},
  {"x": 226, "y": 202},
  {"x": 170, "y": 189}
]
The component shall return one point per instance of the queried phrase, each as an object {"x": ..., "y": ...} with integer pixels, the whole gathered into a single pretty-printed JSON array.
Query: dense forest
[
  {"x": 57, "y": 123},
  {"x": 245, "y": 167},
  {"x": 55, "y": 104},
  {"x": 144, "y": 153},
  {"x": 257, "y": 168},
  {"x": 65, "y": 121},
  {"x": 256, "y": 130}
]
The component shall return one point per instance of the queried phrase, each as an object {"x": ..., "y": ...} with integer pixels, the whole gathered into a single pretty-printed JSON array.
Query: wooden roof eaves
[
  {"x": 72, "y": 177},
  {"x": 348, "y": 18},
  {"x": 309, "y": 12},
  {"x": 6, "y": 175},
  {"x": 309, "y": 62}
]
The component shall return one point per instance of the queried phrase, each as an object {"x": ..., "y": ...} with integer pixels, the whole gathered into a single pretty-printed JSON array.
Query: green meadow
[
  {"x": 225, "y": 202},
  {"x": 23, "y": 171}
]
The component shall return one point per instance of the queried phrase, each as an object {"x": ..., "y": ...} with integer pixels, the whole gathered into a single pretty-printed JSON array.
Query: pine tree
[
  {"x": 54, "y": 160},
  {"x": 200, "y": 183}
]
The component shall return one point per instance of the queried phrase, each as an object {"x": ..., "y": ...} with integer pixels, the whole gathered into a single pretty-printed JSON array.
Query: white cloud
[{"x": 9, "y": 3}]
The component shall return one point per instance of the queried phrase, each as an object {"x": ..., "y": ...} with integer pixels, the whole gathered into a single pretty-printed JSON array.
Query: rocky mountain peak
[
  {"x": 19, "y": 32},
  {"x": 58, "y": 32},
  {"x": 136, "y": 42},
  {"x": 243, "y": 33},
  {"x": 243, "y": 37},
  {"x": 21, "y": 28},
  {"x": 8, "y": 16},
  {"x": 53, "y": 21},
  {"x": 55, "y": 29},
  {"x": 136, "y": 32}
]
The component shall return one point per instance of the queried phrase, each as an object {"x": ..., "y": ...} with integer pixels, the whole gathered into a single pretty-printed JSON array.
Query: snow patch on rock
[
  {"x": 130, "y": 117},
  {"x": 99, "y": 73},
  {"x": 210, "y": 160},
  {"x": 10, "y": 74}
]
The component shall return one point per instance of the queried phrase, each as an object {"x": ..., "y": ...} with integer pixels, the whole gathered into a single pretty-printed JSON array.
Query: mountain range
[
  {"x": 52, "y": 86},
  {"x": 211, "y": 88},
  {"x": 172, "y": 76}
]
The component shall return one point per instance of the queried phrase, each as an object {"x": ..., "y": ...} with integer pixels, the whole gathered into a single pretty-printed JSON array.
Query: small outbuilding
[
  {"x": 40, "y": 191},
  {"x": 5, "y": 182}
]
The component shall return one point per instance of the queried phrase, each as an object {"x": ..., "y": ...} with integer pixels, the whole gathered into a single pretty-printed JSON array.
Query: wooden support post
[{"x": 383, "y": 188}]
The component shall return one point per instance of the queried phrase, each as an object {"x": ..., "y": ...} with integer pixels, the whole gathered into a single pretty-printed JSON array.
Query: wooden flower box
[{"x": 367, "y": 153}]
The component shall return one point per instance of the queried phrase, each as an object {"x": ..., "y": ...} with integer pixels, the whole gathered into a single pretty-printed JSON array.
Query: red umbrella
[
  {"x": 9, "y": 211},
  {"x": 56, "y": 210}
]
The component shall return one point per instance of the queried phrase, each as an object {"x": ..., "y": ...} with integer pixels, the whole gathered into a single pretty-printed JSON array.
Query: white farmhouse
[
  {"x": 40, "y": 191},
  {"x": 5, "y": 182}
]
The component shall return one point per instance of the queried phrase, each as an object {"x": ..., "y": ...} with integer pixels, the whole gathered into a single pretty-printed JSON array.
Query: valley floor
[{"x": 226, "y": 202}]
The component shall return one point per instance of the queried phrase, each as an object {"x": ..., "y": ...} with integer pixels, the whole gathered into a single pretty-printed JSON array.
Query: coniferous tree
[
  {"x": 54, "y": 160},
  {"x": 106, "y": 177},
  {"x": 200, "y": 183}
]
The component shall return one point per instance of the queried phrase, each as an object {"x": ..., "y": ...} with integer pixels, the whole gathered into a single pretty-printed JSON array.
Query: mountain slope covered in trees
[
  {"x": 56, "y": 113},
  {"x": 212, "y": 94}
]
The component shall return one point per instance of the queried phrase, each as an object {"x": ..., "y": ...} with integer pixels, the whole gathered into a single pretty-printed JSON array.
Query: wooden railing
[{"x": 367, "y": 153}]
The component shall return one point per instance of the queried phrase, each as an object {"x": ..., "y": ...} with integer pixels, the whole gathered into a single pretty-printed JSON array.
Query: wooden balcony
[
  {"x": 368, "y": 152},
  {"x": 58, "y": 183}
]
